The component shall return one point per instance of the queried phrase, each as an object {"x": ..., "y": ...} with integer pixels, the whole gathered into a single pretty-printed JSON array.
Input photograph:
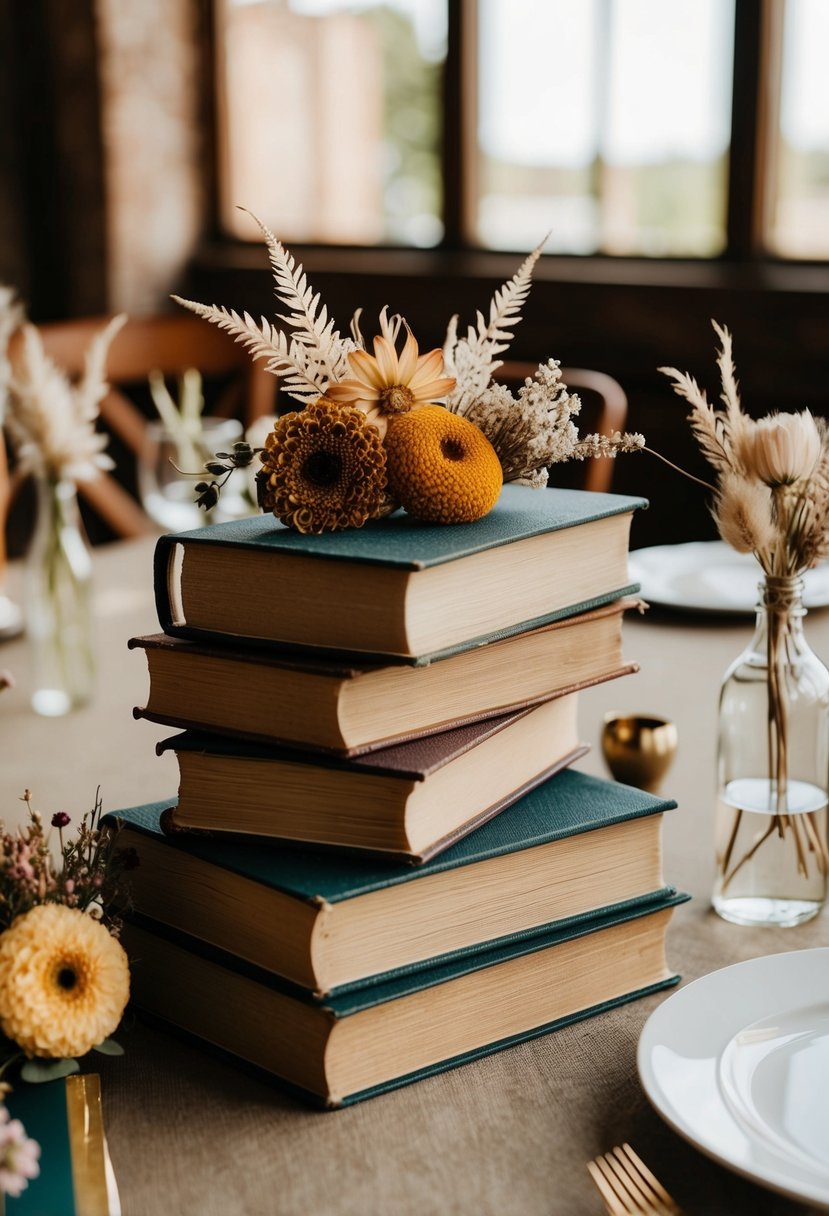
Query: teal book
[
  {"x": 65, "y": 1119},
  {"x": 397, "y": 587},
  {"x": 361, "y": 1043},
  {"x": 332, "y": 922}
]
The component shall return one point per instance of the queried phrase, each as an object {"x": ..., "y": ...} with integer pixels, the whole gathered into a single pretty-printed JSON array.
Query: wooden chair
[
  {"x": 604, "y": 410},
  {"x": 170, "y": 345}
]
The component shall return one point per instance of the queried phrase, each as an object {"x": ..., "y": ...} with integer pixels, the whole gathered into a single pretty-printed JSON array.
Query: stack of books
[{"x": 380, "y": 863}]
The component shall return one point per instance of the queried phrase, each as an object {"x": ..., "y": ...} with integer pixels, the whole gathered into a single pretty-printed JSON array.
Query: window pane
[
  {"x": 606, "y": 121},
  {"x": 800, "y": 225},
  {"x": 330, "y": 118}
]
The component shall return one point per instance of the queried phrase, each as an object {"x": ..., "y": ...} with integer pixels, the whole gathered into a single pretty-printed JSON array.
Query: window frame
[{"x": 757, "y": 67}]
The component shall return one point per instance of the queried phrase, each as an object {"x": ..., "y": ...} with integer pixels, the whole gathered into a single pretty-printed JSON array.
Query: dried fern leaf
[
  {"x": 312, "y": 329},
  {"x": 305, "y": 376},
  {"x": 473, "y": 359}
]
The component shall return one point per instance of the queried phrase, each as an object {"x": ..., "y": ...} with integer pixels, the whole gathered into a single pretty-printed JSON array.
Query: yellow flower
[
  {"x": 782, "y": 448},
  {"x": 64, "y": 982},
  {"x": 441, "y": 467},
  {"x": 323, "y": 469},
  {"x": 386, "y": 384}
]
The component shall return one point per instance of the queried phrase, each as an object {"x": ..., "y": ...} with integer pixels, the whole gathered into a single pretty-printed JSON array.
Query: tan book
[
  {"x": 329, "y": 921},
  {"x": 372, "y": 1039},
  {"x": 309, "y": 700},
  {"x": 411, "y": 800}
]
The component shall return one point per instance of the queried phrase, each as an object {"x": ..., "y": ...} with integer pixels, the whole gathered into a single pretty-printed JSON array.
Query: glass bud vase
[
  {"x": 773, "y": 770},
  {"x": 58, "y": 602}
]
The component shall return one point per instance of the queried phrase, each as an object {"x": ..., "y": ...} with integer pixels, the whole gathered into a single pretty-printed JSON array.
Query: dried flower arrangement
[
  {"x": 431, "y": 432},
  {"x": 64, "y": 977},
  {"x": 771, "y": 498}
]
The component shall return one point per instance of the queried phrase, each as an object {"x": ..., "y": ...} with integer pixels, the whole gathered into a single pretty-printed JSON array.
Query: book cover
[
  {"x": 373, "y": 568},
  {"x": 403, "y": 542},
  {"x": 64, "y": 1117}
]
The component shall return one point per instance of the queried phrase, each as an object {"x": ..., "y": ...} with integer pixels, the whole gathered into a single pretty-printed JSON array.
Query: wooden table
[{"x": 508, "y": 1134}]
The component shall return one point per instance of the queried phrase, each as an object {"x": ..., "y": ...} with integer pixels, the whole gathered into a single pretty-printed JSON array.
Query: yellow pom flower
[
  {"x": 441, "y": 468},
  {"x": 64, "y": 982}
]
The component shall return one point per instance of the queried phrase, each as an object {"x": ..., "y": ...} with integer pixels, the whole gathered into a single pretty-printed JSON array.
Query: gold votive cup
[{"x": 639, "y": 748}]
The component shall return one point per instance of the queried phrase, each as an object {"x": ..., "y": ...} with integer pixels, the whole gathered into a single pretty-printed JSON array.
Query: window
[
  {"x": 691, "y": 129},
  {"x": 604, "y": 121},
  {"x": 330, "y": 118},
  {"x": 800, "y": 159}
]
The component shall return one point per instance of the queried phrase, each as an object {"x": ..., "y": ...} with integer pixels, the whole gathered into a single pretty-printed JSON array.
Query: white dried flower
[
  {"x": 781, "y": 449},
  {"x": 608, "y": 446},
  {"x": 536, "y": 428},
  {"x": 532, "y": 430},
  {"x": 51, "y": 421}
]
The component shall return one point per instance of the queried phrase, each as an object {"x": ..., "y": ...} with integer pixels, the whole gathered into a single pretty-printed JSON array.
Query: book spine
[{"x": 162, "y": 576}]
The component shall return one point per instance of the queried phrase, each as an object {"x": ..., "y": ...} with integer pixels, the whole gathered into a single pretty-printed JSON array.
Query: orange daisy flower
[{"x": 385, "y": 383}]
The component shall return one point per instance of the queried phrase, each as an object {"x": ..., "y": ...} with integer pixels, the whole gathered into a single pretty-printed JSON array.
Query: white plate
[
  {"x": 709, "y": 576},
  {"x": 738, "y": 1063}
]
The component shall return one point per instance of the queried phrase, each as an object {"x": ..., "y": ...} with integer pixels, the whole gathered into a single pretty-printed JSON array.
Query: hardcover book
[
  {"x": 412, "y": 799},
  {"x": 314, "y": 701},
  {"x": 329, "y": 922},
  {"x": 399, "y": 587},
  {"x": 382, "y": 1036}
]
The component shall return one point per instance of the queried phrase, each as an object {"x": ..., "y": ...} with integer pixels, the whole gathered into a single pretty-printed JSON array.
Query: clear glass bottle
[
  {"x": 773, "y": 770},
  {"x": 58, "y": 602}
]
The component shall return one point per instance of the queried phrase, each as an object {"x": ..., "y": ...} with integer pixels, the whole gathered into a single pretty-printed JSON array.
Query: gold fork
[{"x": 628, "y": 1187}]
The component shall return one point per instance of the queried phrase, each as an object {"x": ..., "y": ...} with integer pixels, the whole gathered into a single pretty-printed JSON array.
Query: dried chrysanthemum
[
  {"x": 64, "y": 982},
  {"x": 442, "y": 468},
  {"x": 323, "y": 469},
  {"x": 385, "y": 384}
]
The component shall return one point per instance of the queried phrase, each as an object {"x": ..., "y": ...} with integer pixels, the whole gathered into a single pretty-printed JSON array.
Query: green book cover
[
  {"x": 400, "y": 548},
  {"x": 568, "y": 804}
]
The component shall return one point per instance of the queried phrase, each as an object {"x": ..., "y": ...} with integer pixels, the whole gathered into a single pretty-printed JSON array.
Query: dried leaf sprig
[{"x": 222, "y": 466}]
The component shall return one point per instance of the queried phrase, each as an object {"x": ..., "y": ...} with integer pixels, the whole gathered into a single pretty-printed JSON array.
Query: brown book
[
  {"x": 311, "y": 701},
  {"x": 413, "y": 799}
]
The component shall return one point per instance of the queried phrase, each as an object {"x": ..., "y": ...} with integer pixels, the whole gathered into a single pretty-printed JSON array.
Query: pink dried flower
[{"x": 18, "y": 1156}]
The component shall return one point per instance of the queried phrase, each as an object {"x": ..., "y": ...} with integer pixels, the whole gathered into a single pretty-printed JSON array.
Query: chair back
[{"x": 170, "y": 345}]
